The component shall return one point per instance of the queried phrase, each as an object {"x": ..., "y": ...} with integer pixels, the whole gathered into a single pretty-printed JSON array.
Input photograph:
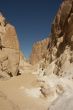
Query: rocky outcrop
[
  {"x": 61, "y": 39},
  {"x": 39, "y": 51},
  {"x": 61, "y": 53},
  {"x": 59, "y": 46},
  {"x": 9, "y": 49},
  {"x": 62, "y": 31},
  {"x": 61, "y": 35}
]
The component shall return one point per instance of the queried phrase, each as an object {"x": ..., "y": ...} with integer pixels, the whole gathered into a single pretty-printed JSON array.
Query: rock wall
[
  {"x": 61, "y": 35},
  {"x": 39, "y": 51},
  {"x": 62, "y": 39},
  {"x": 62, "y": 27},
  {"x": 9, "y": 49}
]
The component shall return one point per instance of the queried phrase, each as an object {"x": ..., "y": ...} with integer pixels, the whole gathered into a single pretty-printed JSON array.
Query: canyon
[{"x": 45, "y": 81}]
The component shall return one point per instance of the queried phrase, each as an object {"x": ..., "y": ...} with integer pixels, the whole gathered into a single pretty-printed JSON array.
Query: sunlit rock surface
[
  {"x": 39, "y": 51},
  {"x": 9, "y": 49},
  {"x": 47, "y": 84}
]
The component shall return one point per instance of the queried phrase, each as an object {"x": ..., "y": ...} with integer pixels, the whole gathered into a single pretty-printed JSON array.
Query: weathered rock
[
  {"x": 62, "y": 38},
  {"x": 39, "y": 51},
  {"x": 59, "y": 72},
  {"x": 9, "y": 49}
]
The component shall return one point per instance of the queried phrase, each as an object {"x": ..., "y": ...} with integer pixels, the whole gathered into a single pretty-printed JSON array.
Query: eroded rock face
[
  {"x": 9, "y": 49},
  {"x": 39, "y": 51},
  {"x": 62, "y": 37},
  {"x": 58, "y": 74},
  {"x": 62, "y": 28},
  {"x": 59, "y": 46}
]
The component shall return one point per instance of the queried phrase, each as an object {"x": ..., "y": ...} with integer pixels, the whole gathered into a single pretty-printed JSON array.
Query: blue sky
[{"x": 32, "y": 19}]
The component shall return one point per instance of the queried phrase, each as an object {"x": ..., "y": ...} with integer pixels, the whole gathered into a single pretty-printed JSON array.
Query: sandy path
[{"x": 14, "y": 90}]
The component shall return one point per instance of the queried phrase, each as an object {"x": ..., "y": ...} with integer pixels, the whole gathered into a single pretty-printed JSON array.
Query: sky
[{"x": 31, "y": 18}]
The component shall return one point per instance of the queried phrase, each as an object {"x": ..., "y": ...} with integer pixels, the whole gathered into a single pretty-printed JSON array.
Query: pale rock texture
[
  {"x": 61, "y": 43},
  {"x": 39, "y": 51},
  {"x": 9, "y": 49},
  {"x": 62, "y": 40}
]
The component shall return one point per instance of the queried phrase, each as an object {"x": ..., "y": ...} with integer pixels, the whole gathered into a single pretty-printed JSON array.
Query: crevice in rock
[
  {"x": 18, "y": 73},
  {"x": 10, "y": 74}
]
